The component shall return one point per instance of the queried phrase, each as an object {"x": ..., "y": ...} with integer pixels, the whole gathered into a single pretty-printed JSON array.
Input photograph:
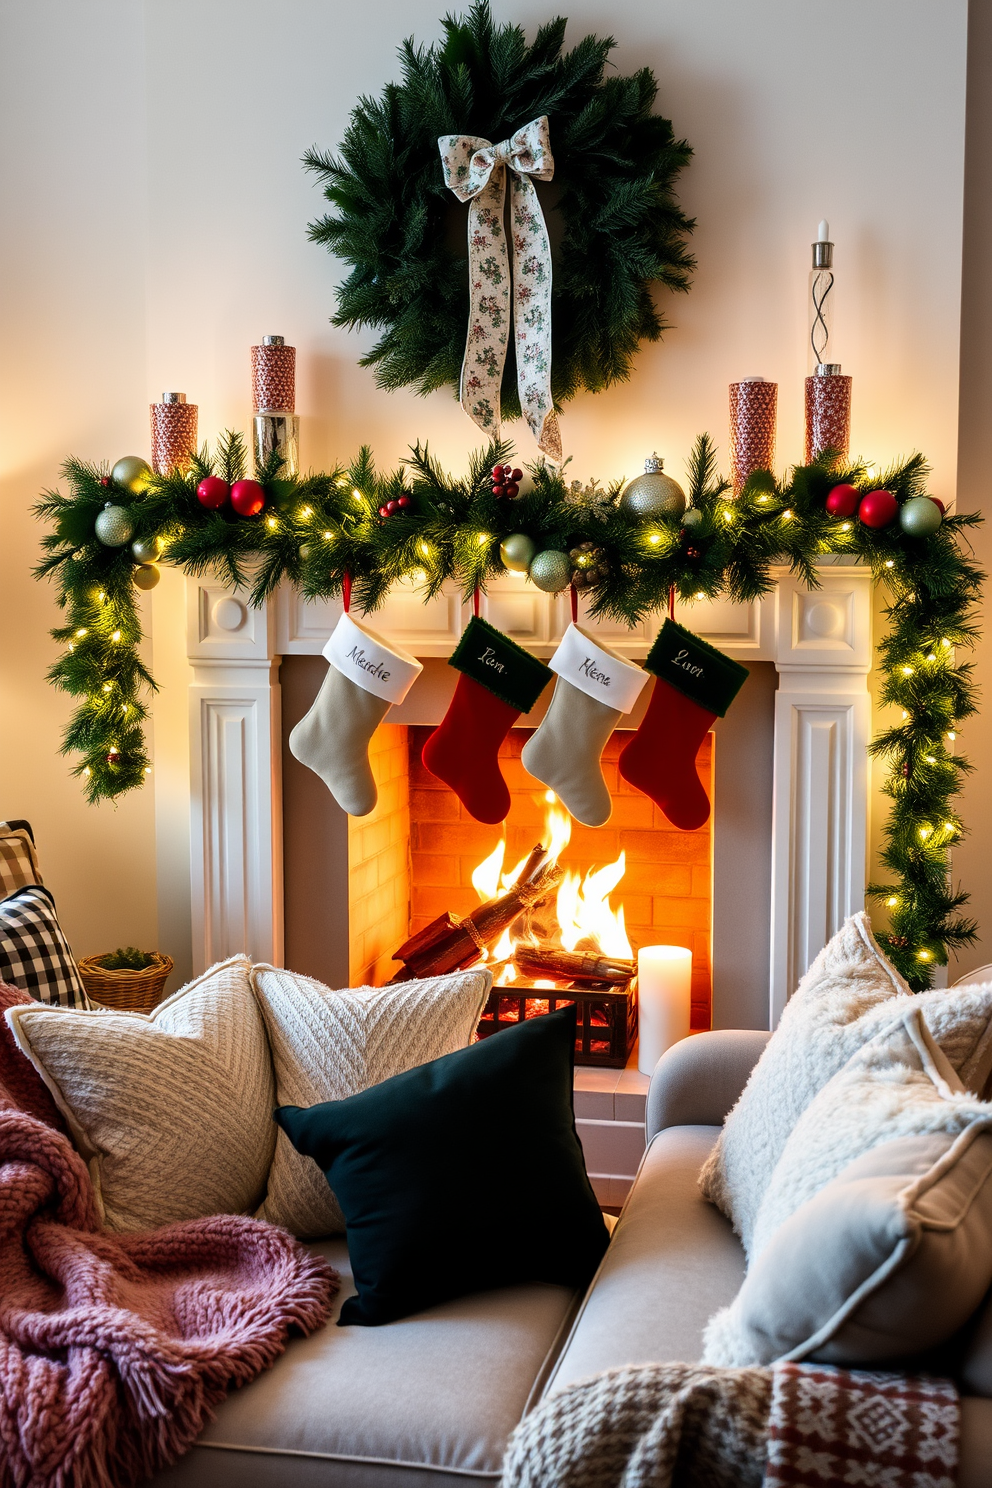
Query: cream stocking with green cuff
[
  {"x": 365, "y": 678},
  {"x": 595, "y": 688}
]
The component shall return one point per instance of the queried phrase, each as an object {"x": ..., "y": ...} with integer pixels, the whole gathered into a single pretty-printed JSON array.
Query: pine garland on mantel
[{"x": 317, "y": 529}]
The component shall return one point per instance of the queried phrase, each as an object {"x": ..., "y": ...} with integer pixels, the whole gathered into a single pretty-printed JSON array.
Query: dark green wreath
[{"x": 611, "y": 206}]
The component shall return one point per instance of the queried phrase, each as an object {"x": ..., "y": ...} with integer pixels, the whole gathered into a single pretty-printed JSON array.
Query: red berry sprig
[
  {"x": 397, "y": 504},
  {"x": 506, "y": 480}
]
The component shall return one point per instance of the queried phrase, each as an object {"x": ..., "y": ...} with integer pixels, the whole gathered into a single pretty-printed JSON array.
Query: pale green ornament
[
  {"x": 146, "y": 576},
  {"x": 114, "y": 527},
  {"x": 147, "y": 549},
  {"x": 305, "y": 551},
  {"x": 132, "y": 472},
  {"x": 653, "y": 494},
  {"x": 551, "y": 571},
  {"x": 920, "y": 517},
  {"x": 517, "y": 551},
  {"x": 693, "y": 517}
]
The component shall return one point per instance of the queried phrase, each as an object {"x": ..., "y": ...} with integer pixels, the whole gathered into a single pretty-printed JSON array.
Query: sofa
[{"x": 430, "y": 1402}]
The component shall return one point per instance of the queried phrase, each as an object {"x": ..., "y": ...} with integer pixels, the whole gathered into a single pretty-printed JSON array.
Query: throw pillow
[
  {"x": 172, "y": 1109},
  {"x": 20, "y": 1084},
  {"x": 18, "y": 859},
  {"x": 881, "y": 1201},
  {"x": 34, "y": 954},
  {"x": 327, "y": 1045},
  {"x": 461, "y": 1175},
  {"x": 850, "y": 993}
]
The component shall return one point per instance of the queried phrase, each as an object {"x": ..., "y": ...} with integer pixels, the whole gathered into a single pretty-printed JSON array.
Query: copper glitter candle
[
  {"x": 273, "y": 376},
  {"x": 828, "y": 412},
  {"x": 173, "y": 432},
  {"x": 753, "y": 406}
]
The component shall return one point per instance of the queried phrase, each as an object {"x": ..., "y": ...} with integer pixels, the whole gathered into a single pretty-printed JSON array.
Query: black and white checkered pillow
[{"x": 34, "y": 954}]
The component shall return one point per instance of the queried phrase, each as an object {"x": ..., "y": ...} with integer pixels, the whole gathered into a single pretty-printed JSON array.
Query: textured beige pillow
[
  {"x": 330, "y": 1044},
  {"x": 850, "y": 993},
  {"x": 882, "y": 1257},
  {"x": 172, "y": 1109}
]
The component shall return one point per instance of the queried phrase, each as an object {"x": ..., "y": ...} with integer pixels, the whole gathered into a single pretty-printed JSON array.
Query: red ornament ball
[
  {"x": 212, "y": 492},
  {"x": 247, "y": 498},
  {"x": 404, "y": 502},
  {"x": 843, "y": 501},
  {"x": 937, "y": 502},
  {"x": 392, "y": 506},
  {"x": 878, "y": 509}
]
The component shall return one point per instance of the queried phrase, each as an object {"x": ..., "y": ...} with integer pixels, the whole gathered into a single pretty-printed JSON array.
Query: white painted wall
[{"x": 154, "y": 227}]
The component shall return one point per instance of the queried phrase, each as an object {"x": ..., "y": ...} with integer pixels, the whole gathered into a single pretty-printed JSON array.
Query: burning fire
[{"x": 586, "y": 918}]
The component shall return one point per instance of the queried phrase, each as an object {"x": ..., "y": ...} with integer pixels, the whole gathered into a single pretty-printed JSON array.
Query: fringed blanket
[
  {"x": 694, "y": 1426},
  {"x": 115, "y": 1349}
]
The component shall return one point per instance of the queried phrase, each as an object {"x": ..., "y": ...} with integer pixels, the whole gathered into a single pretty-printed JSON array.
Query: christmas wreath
[
  {"x": 360, "y": 530},
  {"x": 611, "y": 203}
]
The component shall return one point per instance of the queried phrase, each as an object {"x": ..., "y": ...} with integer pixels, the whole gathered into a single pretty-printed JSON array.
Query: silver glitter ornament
[
  {"x": 653, "y": 494},
  {"x": 920, "y": 517},
  {"x": 517, "y": 552},
  {"x": 551, "y": 571},
  {"x": 692, "y": 517},
  {"x": 114, "y": 527}
]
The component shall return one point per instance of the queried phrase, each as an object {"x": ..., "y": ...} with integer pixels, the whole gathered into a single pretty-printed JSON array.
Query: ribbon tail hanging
[
  {"x": 532, "y": 315},
  {"x": 489, "y": 307}
]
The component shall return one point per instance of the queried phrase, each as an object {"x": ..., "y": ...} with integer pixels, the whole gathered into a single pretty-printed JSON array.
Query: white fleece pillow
[
  {"x": 881, "y": 1201},
  {"x": 328, "y": 1044},
  {"x": 172, "y": 1109},
  {"x": 850, "y": 993}
]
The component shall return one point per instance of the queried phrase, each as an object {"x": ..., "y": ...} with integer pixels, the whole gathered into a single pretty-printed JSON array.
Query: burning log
[
  {"x": 451, "y": 943},
  {"x": 548, "y": 962}
]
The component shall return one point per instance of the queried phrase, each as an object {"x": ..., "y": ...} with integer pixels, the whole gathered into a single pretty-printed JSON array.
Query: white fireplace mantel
[{"x": 819, "y": 641}]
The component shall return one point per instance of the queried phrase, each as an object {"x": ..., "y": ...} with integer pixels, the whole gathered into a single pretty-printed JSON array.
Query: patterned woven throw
[{"x": 696, "y": 1426}]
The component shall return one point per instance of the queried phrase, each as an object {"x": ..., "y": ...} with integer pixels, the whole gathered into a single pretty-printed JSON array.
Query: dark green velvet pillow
[{"x": 460, "y": 1175}]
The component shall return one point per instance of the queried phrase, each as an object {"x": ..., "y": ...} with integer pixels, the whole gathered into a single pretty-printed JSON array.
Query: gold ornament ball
[
  {"x": 133, "y": 473},
  {"x": 517, "y": 552},
  {"x": 147, "y": 549},
  {"x": 551, "y": 571},
  {"x": 113, "y": 526},
  {"x": 653, "y": 494},
  {"x": 146, "y": 576}
]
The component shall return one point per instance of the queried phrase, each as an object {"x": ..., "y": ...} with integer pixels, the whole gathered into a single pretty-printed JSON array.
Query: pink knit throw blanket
[{"x": 115, "y": 1349}]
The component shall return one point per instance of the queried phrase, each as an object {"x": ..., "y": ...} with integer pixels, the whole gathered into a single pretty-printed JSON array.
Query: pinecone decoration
[
  {"x": 899, "y": 942},
  {"x": 589, "y": 565}
]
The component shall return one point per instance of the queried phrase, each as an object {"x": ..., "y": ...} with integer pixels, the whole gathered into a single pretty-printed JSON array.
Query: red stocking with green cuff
[
  {"x": 498, "y": 682},
  {"x": 695, "y": 685}
]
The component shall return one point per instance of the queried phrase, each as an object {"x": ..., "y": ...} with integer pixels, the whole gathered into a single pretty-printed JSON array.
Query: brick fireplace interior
[{"x": 357, "y": 887}]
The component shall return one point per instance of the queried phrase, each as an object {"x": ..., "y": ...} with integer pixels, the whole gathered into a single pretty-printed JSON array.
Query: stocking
[
  {"x": 595, "y": 687},
  {"x": 498, "y": 682},
  {"x": 365, "y": 678},
  {"x": 695, "y": 685}
]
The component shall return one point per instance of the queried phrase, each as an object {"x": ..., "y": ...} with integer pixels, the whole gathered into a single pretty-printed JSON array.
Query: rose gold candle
[
  {"x": 173, "y": 432},
  {"x": 273, "y": 376},
  {"x": 753, "y": 406},
  {"x": 828, "y": 412}
]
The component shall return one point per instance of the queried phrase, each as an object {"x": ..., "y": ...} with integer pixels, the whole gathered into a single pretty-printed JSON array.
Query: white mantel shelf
[{"x": 819, "y": 641}]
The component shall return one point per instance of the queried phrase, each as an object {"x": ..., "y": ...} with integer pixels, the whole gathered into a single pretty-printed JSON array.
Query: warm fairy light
[
  {"x": 930, "y": 759},
  {"x": 889, "y": 563},
  {"x": 931, "y": 657},
  {"x": 482, "y": 539},
  {"x": 654, "y": 537},
  {"x": 82, "y": 632},
  {"x": 728, "y": 515},
  {"x": 101, "y": 596},
  {"x": 272, "y": 523},
  {"x": 107, "y": 686},
  {"x": 907, "y": 671},
  {"x": 762, "y": 499},
  {"x": 949, "y": 827},
  {"x": 787, "y": 516},
  {"x": 87, "y": 772},
  {"x": 892, "y": 902},
  {"x": 357, "y": 495},
  {"x": 116, "y": 636},
  {"x": 148, "y": 769},
  {"x": 424, "y": 549},
  {"x": 952, "y": 736},
  {"x": 923, "y": 955},
  {"x": 700, "y": 595},
  {"x": 904, "y": 713},
  {"x": 924, "y": 833},
  {"x": 306, "y": 512},
  {"x": 845, "y": 527},
  {"x": 419, "y": 576},
  {"x": 328, "y": 536},
  {"x": 126, "y": 708},
  {"x": 945, "y": 641}
]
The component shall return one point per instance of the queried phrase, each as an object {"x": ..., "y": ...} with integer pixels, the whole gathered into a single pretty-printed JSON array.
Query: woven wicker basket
[{"x": 133, "y": 991}]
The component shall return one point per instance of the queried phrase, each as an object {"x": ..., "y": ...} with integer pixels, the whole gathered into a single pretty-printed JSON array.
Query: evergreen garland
[
  {"x": 317, "y": 530},
  {"x": 396, "y": 223}
]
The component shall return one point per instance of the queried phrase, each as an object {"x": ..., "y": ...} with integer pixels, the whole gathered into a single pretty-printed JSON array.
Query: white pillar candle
[{"x": 664, "y": 995}]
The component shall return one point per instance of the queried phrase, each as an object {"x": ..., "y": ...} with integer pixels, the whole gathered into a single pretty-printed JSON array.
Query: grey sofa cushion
[
  {"x": 427, "y": 1402},
  {"x": 672, "y": 1260}
]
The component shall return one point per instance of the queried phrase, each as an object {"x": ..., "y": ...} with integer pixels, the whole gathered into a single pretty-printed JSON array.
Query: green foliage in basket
[{"x": 126, "y": 958}]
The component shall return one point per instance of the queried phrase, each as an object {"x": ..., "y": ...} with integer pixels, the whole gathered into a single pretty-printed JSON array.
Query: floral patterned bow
[{"x": 475, "y": 170}]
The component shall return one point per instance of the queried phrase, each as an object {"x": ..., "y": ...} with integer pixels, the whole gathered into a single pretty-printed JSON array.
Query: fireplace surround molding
[{"x": 819, "y": 641}]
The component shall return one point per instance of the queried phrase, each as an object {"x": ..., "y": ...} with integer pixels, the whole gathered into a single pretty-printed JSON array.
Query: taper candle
[{"x": 664, "y": 998}]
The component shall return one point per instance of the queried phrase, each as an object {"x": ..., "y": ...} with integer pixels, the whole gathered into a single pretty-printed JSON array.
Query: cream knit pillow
[
  {"x": 850, "y": 993},
  {"x": 327, "y": 1045},
  {"x": 172, "y": 1109}
]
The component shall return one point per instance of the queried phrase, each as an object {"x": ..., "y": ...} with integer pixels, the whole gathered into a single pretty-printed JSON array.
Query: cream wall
[{"x": 158, "y": 228}]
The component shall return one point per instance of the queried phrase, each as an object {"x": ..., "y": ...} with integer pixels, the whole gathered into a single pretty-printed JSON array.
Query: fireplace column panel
[{"x": 235, "y": 778}]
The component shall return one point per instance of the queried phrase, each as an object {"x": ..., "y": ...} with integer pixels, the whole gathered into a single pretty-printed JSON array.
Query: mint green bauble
[
  {"x": 692, "y": 517},
  {"x": 920, "y": 517},
  {"x": 551, "y": 571},
  {"x": 517, "y": 551}
]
